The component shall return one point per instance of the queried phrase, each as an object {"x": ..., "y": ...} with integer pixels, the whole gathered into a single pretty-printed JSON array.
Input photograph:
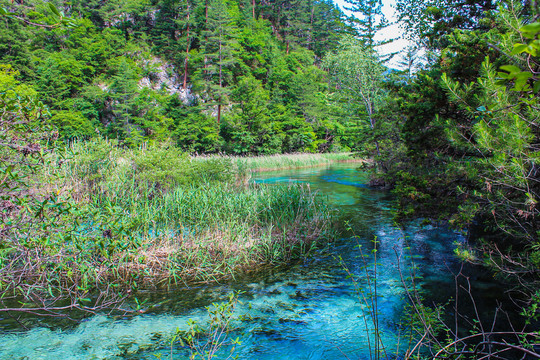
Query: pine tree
[
  {"x": 123, "y": 91},
  {"x": 297, "y": 23},
  {"x": 410, "y": 61},
  {"x": 219, "y": 47},
  {"x": 185, "y": 34},
  {"x": 367, "y": 19},
  {"x": 165, "y": 33},
  {"x": 429, "y": 21},
  {"x": 328, "y": 26}
]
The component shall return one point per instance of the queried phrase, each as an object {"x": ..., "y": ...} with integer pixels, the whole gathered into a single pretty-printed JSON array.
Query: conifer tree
[
  {"x": 219, "y": 46},
  {"x": 165, "y": 33},
  {"x": 430, "y": 20},
  {"x": 367, "y": 19},
  {"x": 328, "y": 27},
  {"x": 185, "y": 37},
  {"x": 123, "y": 91},
  {"x": 297, "y": 23},
  {"x": 410, "y": 61}
]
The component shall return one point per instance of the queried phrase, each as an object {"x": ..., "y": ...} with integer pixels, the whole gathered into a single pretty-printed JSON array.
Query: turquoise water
[{"x": 307, "y": 310}]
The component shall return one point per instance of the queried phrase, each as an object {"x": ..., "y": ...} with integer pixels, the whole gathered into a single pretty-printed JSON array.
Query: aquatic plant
[
  {"x": 212, "y": 339},
  {"x": 150, "y": 217}
]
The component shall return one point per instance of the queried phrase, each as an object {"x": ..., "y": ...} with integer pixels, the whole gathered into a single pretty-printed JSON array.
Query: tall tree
[
  {"x": 410, "y": 60},
  {"x": 428, "y": 21},
  {"x": 123, "y": 91},
  {"x": 328, "y": 26},
  {"x": 357, "y": 74},
  {"x": 185, "y": 22},
  {"x": 219, "y": 47},
  {"x": 367, "y": 19}
]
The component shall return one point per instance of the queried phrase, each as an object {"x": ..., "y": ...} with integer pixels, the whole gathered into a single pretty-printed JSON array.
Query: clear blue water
[{"x": 307, "y": 310}]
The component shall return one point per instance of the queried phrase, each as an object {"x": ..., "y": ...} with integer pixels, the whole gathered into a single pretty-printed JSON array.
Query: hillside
[{"x": 213, "y": 76}]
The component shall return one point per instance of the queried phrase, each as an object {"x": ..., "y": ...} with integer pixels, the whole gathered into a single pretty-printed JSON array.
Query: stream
[{"x": 305, "y": 310}]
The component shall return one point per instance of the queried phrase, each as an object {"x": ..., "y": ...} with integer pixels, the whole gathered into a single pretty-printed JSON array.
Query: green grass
[
  {"x": 157, "y": 215},
  {"x": 215, "y": 229},
  {"x": 284, "y": 161},
  {"x": 108, "y": 221}
]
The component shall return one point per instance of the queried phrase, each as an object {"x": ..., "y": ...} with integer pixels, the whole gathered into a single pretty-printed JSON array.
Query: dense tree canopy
[{"x": 143, "y": 71}]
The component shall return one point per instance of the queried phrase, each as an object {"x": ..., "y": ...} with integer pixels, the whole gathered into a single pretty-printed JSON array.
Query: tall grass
[
  {"x": 164, "y": 216},
  {"x": 284, "y": 161},
  {"x": 214, "y": 229}
]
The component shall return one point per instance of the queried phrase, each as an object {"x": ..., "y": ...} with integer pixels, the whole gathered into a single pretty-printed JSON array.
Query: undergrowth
[{"x": 126, "y": 219}]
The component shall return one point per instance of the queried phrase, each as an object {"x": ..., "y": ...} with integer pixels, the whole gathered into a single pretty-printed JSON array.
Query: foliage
[
  {"x": 141, "y": 72},
  {"x": 36, "y": 220},
  {"x": 105, "y": 210},
  {"x": 289, "y": 161},
  {"x": 368, "y": 19},
  {"x": 503, "y": 133},
  {"x": 207, "y": 341},
  {"x": 457, "y": 138},
  {"x": 471, "y": 131},
  {"x": 54, "y": 19},
  {"x": 357, "y": 73},
  {"x": 115, "y": 220},
  {"x": 430, "y": 21}
]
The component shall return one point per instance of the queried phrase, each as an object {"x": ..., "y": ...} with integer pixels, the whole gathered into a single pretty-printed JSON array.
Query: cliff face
[{"x": 162, "y": 76}]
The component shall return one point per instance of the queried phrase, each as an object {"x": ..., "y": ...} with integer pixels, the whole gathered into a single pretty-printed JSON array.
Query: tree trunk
[
  {"x": 310, "y": 35},
  {"x": 372, "y": 125},
  {"x": 220, "y": 81},
  {"x": 187, "y": 51},
  {"x": 206, "y": 28}
]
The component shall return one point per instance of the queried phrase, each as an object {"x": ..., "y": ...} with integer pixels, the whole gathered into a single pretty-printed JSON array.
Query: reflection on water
[{"x": 307, "y": 310}]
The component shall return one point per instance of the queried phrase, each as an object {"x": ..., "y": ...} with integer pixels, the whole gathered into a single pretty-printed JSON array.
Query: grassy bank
[
  {"x": 113, "y": 220},
  {"x": 284, "y": 161}
]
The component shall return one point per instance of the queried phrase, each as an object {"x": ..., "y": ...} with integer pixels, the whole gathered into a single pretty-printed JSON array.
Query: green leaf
[
  {"x": 523, "y": 75},
  {"x": 536, "y": 87},
  {"x": 512, "y": 69},
  {"x": 531, "y": 28},
  {"x": 54, "y": 10},
  {"x": 519, "y": 48}
]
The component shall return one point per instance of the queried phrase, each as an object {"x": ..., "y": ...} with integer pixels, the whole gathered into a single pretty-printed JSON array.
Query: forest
[
  {"x": 130, "y": 131},
  {"x": 210, "y": 76}
]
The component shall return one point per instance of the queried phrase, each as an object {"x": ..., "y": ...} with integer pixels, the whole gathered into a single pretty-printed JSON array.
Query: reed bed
[
  {"x": 283, "y": 161},
  {"x": 212, "y": 230},
  {"x": 159, "y": 216}
]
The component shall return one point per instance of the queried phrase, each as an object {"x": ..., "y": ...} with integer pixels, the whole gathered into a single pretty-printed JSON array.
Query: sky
[{"x": 391, "y": 32}]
